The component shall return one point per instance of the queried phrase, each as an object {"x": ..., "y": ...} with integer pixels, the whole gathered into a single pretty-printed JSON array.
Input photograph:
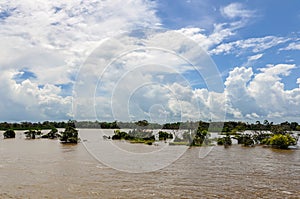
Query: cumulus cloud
[
  {"x": 138, "y": 75},
  {"x": 29, "y": 101},
  {"x": 262, "y": 94},
  {"x": 248, "y": 95},
  {"x": 51, "y": 40}
]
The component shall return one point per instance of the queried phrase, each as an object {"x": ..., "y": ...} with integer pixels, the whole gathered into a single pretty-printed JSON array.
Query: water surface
[{"x": 47, "y": 169}]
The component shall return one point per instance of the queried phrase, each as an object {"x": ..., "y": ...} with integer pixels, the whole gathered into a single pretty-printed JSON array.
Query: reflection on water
[{"x": 46, "y": 168}]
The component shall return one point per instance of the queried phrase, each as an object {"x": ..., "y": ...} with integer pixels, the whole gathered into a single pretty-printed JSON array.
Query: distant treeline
[{"x": 229, "y": 126}]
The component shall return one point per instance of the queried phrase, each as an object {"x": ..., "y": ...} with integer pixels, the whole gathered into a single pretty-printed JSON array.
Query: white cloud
[
  {"x": 256, "y": 45},
  {"x": 158, "y": 62},
  {"x": 263, "y": 93},
  {"x": 64, "y": 33},
  {"x": 51, "y": 40},
  {"x": 292, "y": 46},
  {"x": 234, "y": 10},
  {"x": 255, "y": 57},
  {"x": 28, "y": 101}
]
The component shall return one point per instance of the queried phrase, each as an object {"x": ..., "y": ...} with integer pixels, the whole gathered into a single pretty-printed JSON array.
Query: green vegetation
[
  {"x": 53, "y": 134},
  {"x": 178, "y": 143},
  {"x": 70, "y": 135},
  {"x": 197, "y": 134},
  {"x": 281, "y": 141},
  {"x": 226, "y": 141},
  {"x": 33, "y": 126},
  {"x": 9, "y": 134},
  {"x": 164, "y": 135},
  {"x": 193, "y": 138},
  {"x": 32, "y": 134},
  {"x": 279, "y": 138},
  {"x": 135, "y": 136},
  {"x": 220, "y": 141},
  {"x": 227, "y": 127},
  {"x": 120, "y": 135},
  {"x": 201, "y": 136},
  {"x": 245, "y": 139}
]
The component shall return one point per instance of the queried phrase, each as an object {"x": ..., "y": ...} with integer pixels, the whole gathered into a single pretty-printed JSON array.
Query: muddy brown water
[{"x": 47, "y": 169}]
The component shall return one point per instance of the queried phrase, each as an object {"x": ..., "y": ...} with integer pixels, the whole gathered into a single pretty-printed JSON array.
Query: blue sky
[{"x": 197, "y": 60}]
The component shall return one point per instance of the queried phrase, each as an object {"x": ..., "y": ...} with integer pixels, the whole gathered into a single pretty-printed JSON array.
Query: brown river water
[{"x": 44, "y": 168}]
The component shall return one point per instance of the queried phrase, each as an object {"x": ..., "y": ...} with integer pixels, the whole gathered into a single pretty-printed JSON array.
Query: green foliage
[
  {"x": 120, "y": 135},
  {"x": 9, "y": 134},
  {"x": 53, "y": 134},
  {"x": 135, "y": 136},
  {"x": 279, "y": 129},
  {"x": 142, "y": 123},
  {"x": 149, "y": 142},
  {"x": 245, "y": 139},
  {"x": 70, "y": 135},
  {"x": 165, "y": 135},
  {"x": 199, "y": 137},
  {"x": 32, "y": 134},
  {"x": 281, "y": 141},
  {"x": 230, "y": 126},
  {"x": 259, "y": 137},
  {"x": 141, "y": 134},
  {"x": 196, "y": 138},
  {"x": 226, "y": 141},
  {"x": 220, "y": 141}
]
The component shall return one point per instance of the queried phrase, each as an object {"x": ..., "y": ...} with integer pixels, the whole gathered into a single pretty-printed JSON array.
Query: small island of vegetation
[{"x": 9, "y": 134}]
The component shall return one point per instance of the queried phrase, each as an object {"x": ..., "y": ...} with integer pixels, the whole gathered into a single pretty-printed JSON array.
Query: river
[{"x": 44, "y": 168}]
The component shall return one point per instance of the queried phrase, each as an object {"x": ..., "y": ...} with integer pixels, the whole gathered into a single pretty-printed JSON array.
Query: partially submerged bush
[
  {"x": 245, "y": 139},
  {"x": 281, "y": 141},
  {"x": 220, "y": 141},
  {"x": 31, "y": 134},
  {"x": 9, "y": 134},
  {"x": 135, "y": 136},
  {"x": 164, "y": 135},
  {"x": 53, "y": 134},
  {"x": 70, "y": 135}
]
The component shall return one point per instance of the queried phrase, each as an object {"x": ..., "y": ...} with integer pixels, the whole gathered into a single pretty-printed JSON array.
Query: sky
[{"x": 158, "y": 60}]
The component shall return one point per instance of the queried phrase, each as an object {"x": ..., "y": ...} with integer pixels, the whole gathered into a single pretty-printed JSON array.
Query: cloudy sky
[{"x": 157, "y": 60}]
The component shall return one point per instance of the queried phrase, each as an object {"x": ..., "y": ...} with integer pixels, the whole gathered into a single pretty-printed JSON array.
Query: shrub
[
  {"x": 53, "y": 133},
  {"x": 164, "y": 135},
  {"x": 220, "y": 141},
  {"x": 281, "y": 141},
  {"x": 31, "y": 134},
  {"x": 227, "y": 140},
  {"x": 245, "y": 139},
  {"x": 70, "y": 135},
  {"x": 9, "y": 134}
]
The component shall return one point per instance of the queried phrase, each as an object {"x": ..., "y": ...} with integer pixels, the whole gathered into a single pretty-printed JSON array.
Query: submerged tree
[
  {"x": 226, "y": 141},
  {"x": 245, "y": 139},
  {"x": 53, "y": 134},
  {"x": 164, "y": 135},
  {"x": 9, "y": 134},
  {"x": 70, "y": 135},
  {"x": 281, "y": 141},
  {"x": 31, "y": 134}
]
